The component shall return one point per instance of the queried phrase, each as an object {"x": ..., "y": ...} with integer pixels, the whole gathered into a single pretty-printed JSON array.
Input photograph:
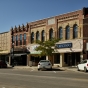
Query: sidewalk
[
  {"x": 69, "y": 68},
  {"x": 54, "y": 67}
]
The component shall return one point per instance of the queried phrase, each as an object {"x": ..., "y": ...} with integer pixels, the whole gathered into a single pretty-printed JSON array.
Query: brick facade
[
  {"x": 69, "y": 19},
  {"x": 17, "y": 31}
]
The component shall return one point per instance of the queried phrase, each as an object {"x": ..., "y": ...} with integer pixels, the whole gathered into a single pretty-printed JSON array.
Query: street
[{"x": 19, "y": 78}]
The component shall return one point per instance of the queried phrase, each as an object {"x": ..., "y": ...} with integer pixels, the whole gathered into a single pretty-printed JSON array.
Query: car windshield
[{"x": 44, "y": 61}]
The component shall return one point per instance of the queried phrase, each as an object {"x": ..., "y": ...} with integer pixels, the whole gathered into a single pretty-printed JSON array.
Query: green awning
[{"x": 35, "y": 52}]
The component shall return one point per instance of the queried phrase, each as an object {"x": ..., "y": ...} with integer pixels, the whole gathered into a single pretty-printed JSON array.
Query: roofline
[
  {"x": 4, "y": 32},
  {"x": 54, "y": 16}
]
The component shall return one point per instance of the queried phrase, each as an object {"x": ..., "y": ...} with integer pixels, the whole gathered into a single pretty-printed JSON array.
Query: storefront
[
  {"x": 34, "y": 57},
  {"x": 20, "y": 57},
  {"x": 68, "y": 53},
  {"x": 5, "y": 56}
]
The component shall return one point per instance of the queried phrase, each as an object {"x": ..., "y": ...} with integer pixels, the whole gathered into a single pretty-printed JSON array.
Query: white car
[
  {"x": 83, "y": 65},
  {"x": 44, "y": 64}
]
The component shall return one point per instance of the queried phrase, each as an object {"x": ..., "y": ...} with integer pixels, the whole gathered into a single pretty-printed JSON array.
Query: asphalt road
[{"x": 19, "y": 78}]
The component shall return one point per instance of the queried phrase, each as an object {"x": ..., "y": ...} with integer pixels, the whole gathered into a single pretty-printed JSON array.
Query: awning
[
  {"x": 19, "y": 54},
  {"x": 67, "y": 50},
  {"x": 4, "y": 52},
  {"x": 35, "y": 52}
]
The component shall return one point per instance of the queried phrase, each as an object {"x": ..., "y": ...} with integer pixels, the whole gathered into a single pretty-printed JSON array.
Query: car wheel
[
  {"x": 0, "y": 66},
  {"x": 78, "y": 68},
  {"x": 51, "y": 68},
  {"x": 38, "y": 69},
  {"x": 85, "y": 70}
]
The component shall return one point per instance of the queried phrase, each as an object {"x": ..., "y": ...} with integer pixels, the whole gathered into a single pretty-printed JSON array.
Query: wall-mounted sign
[
  {"x": 32, "y": 49},
  {"x": 64, "y": 45}
]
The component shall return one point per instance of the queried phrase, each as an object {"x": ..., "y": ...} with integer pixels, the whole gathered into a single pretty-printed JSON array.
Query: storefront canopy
[
  {"x": 67, "y": 50},
  {"x": 4, "y": 52},
  {"x": 20, "y": 54}
]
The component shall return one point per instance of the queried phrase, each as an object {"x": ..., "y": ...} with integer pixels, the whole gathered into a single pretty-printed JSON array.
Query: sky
[{"x": 17, "y": 12}]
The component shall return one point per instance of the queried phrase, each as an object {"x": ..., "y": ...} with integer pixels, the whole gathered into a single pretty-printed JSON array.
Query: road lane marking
[{"x": 54, "y": 71}]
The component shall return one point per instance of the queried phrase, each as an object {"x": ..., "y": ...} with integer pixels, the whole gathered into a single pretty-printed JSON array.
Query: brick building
[
  {"x": 19, "y": 39},
  {"x": 71, "y": 28}
]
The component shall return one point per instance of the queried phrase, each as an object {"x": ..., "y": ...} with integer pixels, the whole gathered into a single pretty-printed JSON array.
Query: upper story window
[
  {"x": 25, "y": 36},
  {"x": 67, "y": 32},
  {"x": 20, "y": 39},
  {"x": 43, "y": 36},
  {"x": 32, "y": 37},
  {"x": 60, "y": 33},
  {"x": 37, "y": 35},
  {"x": 13, "y": 39},
  {"x": 75, "y": 31},
  {"x": 24, "y": 40},
  {"x": 50, "y": 33},
  {"x": 16, "y": 40}
]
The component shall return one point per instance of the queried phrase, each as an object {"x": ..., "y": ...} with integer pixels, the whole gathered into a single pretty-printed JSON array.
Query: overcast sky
[{"x": 18, "y": 12}]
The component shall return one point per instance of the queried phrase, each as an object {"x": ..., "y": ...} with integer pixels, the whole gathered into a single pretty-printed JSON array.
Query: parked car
[
  {"x": 3, "y": 64},
  {"x": 83, "y": 65},
  {"x": 44, "y": 64}
]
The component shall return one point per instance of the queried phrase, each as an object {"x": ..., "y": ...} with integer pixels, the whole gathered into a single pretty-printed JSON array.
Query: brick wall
[
  {"x": 85, "y": 35},
  {"x": 20, "y": 30}
]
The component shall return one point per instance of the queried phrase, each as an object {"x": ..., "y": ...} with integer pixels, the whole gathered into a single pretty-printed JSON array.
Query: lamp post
[{"x": 12, "y": 54}]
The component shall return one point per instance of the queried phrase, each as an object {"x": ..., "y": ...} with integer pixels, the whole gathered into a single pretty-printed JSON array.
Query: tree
[{"x": 46, "y": 47}]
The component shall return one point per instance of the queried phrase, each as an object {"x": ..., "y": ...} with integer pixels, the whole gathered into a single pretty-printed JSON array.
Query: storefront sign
[
  {"x": 64, "y": 45},
  {"x": 32, "y": 49}
]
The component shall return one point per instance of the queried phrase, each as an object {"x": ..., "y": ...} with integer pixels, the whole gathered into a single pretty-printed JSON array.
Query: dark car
[{"x": 3, "y": 64}]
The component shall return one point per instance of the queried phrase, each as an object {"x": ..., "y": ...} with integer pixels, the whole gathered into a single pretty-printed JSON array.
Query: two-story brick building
[
  {"x": 19, "y": 39},
  {"x": 70, "y": 27}
]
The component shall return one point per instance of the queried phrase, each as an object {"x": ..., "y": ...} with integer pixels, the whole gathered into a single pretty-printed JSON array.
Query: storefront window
[{"x": 57, "y": 59}]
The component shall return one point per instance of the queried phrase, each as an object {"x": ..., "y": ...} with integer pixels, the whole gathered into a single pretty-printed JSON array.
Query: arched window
[
  {"x": 37, "y": 35},
  {"x": 60, "y": 33},
  {"x": 43, "y": 36},
  {"x": 75, "y": 31},
  {"x": 67, "y": 32},
  {"x": 32, "y": 37},
  {"x": 50, "y": 34}
]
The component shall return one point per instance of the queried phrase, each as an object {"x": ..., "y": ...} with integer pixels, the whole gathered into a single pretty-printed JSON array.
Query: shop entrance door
[{"x": 69, "y": 60}]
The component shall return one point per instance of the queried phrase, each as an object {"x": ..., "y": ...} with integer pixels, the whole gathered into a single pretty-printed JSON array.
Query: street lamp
[{"x": 12, "y": 54}]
